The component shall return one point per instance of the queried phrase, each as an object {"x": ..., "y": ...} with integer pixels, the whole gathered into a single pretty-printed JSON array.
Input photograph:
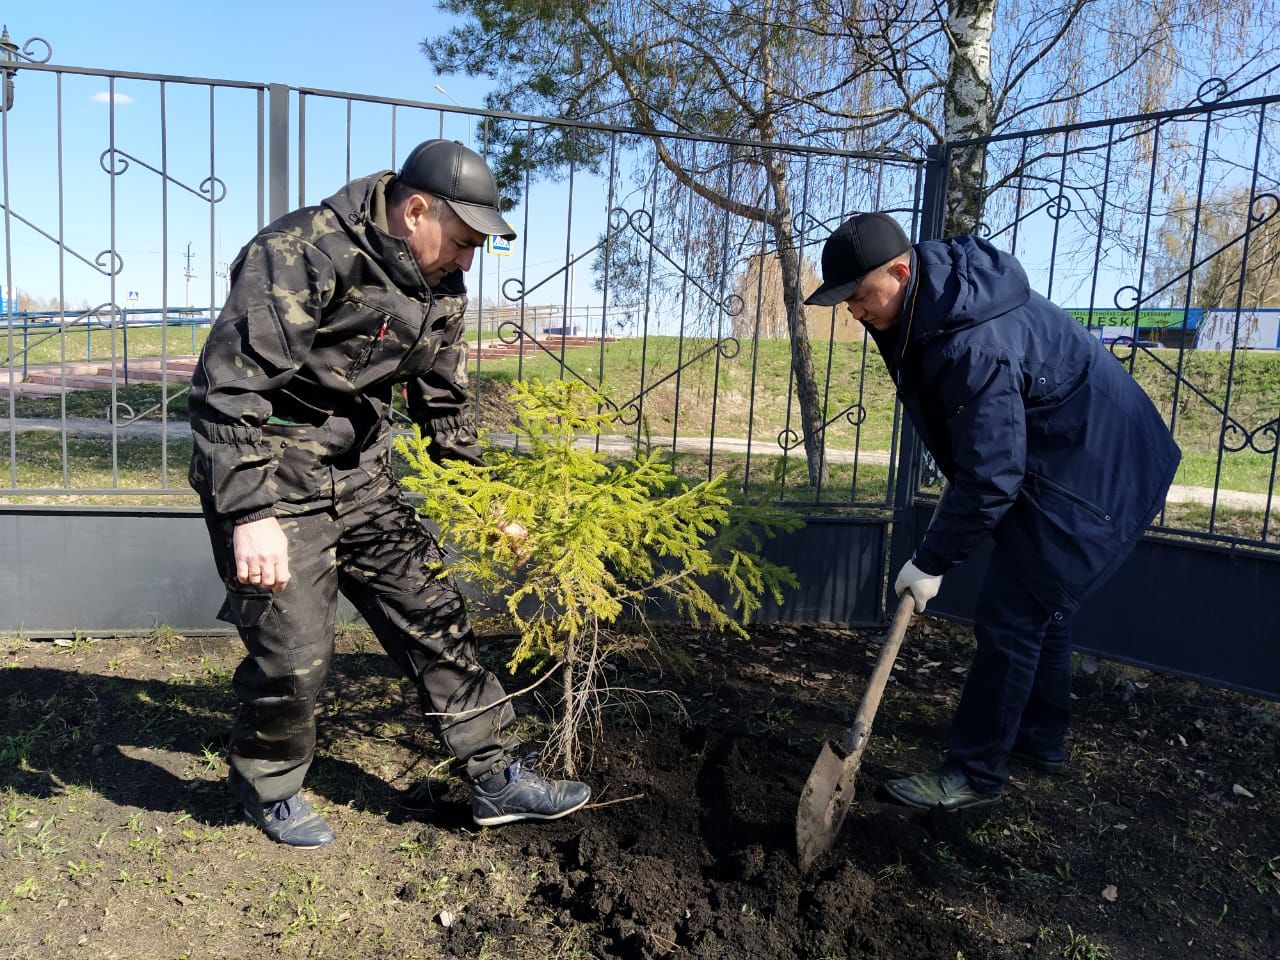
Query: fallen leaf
[
  {"x": 931, "y": 664},
  {"x": 1240, "y": 791},
  {"x": 1182, "y": 740},
  {"x": 1109, "y": 893},
  {"x": 959, "y": 669},
  {"x": 822, "y": 676},
  {"x": 446, "y": 918}
]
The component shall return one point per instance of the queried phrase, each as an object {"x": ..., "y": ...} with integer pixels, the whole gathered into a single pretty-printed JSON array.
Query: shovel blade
[{"x": 824, "y": 802}]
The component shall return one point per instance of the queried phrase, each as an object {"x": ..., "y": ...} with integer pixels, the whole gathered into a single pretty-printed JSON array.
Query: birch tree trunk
[
  {"x": 968, "y": 109},
  {"x": 797, "y": 324}
]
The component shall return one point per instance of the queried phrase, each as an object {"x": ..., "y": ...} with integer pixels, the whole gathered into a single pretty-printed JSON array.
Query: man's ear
[
  {"x": 900, "y": 270},
  {"x": 414, "y": 210}
]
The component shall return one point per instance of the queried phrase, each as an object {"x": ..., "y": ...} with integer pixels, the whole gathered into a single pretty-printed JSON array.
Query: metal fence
[
  {"x": 1160, "y": 232},
  {"x": 678, "y": 286},
  {"x": 658, "y": 271}
]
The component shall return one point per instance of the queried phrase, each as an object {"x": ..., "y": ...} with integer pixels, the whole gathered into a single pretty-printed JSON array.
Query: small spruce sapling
[{"x": 601, "y": 539}]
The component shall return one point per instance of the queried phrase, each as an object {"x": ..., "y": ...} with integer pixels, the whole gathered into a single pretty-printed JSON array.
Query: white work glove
[{"x": 923, "y": 586}]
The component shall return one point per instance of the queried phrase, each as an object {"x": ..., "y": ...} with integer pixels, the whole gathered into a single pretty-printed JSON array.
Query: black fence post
[
  {"x": 278, "y": 157},
  {"x": 906, "y": 530}
]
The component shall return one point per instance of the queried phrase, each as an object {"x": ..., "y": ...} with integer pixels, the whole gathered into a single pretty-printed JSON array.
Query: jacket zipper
[
  {"x": 1075, "y": 498},
  {"x": 365, "y": 355}
]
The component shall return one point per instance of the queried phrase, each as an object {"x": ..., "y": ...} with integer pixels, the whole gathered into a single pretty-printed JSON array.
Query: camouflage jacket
[{"x": 326, "y": 313}]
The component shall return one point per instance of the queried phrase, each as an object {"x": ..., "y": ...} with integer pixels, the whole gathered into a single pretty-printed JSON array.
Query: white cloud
[{"x": 105, "y": 97}]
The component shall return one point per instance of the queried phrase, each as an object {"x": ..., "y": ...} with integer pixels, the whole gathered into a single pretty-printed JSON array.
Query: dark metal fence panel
[
  {"x": 1160, "y": 234},
  {"x": 1200, "y": 610},
  {"x": 121, "y": 196},
  {"x": 658, "y": 272}
]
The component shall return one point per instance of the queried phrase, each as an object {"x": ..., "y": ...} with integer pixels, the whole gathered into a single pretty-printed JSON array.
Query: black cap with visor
[
  {"x": 858, "y": 246},
  {"x": 460, "y": 177}
]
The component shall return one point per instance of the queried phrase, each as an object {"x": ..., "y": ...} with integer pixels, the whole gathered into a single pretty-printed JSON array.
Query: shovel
[{"x": 829, "y": 790}]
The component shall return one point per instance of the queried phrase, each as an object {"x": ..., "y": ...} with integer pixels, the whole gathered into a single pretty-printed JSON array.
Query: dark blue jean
[{"x": 1018, "y": 692}]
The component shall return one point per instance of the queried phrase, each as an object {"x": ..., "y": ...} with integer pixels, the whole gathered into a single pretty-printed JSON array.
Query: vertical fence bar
[
  {"x": 164, "y": 279},
  {"x": 278, "y": 137},
  {"x": 755, "y": 352},
  {"x": 62, "y": 302},
  {"x": 302, "y": 150},
  {"x": 608, "y": 250},
  {"x": 720, "y": 312},
  {"x": 1235, "y": 337},
  {"x": 684, "y": 298},
  {"x": 115, "y": 313},
  {"x": 1058, "y": 210},
  {"x": 9, "y": 296},
  {"x": 649, "y": 235},
  {"x": 905, "y": 532},
  {"x": 568, "y": 270},
  {"x": 1102, "y": 216},
  {"x": 260, "y": 167}
]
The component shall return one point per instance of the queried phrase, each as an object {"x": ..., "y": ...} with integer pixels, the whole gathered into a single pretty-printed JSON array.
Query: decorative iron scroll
[
  {"x": 117, "y": 262},
  {"x": 855, "y": 414},
  {"x": 211, "y": 188}
]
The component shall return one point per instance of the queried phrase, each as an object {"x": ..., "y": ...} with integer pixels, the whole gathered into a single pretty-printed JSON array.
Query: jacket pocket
[
  {"x": 1039, "y": 483},
  {"x": 381, "y": 337},
  {"x": 299, "y": 450}
]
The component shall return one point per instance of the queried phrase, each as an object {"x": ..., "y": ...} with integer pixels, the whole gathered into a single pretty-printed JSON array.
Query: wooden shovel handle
[{"x": 861, "y": 728}]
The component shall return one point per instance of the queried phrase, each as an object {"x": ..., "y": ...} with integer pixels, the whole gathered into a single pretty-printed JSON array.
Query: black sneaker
[
  {"x": 945, "y": 789},
  {"x": 290, "y": 822},
  {"x": 521, "y": 793},
  {"x": 1042, "y": 764}
]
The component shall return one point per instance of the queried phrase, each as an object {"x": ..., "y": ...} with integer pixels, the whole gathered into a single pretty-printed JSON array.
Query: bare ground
[{"x": 120, "y": 840}]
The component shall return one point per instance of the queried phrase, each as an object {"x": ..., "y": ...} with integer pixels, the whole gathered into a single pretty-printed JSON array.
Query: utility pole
[{"x": 189, "y": 274}]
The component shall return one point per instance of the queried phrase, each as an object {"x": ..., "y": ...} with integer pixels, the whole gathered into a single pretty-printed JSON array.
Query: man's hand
[
  {"x": 923, "y": 586},
  {"x": 517, "y": 532},
  {"x": 262, "y": 554}
]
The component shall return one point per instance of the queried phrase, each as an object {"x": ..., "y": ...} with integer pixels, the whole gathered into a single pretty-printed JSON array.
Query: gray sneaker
[
  {"x": 521, "y": 793},
  {"x": 290, "y": 822},
  {"x": 944, "y": 789},
  {"x": 1037, "y": 762}
]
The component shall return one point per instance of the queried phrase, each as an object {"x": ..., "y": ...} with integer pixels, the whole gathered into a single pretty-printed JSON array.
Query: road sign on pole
[{"x": 498, "y": 245}]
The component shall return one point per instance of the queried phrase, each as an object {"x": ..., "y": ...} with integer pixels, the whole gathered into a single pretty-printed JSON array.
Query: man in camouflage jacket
[{"x": 330, "y": 308}]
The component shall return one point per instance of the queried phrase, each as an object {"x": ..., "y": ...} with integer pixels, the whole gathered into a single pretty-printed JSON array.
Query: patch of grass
[
  {"x": 92, "y": 463},
  {"x": 1080, "y": 947},
  {"x": 145, "y": 399},
  {"x": 83, "y": 344}
]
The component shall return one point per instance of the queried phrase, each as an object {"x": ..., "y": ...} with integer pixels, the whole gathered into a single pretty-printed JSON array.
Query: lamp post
[
  {"x": 440, "y": 89},
  {"x": 8, "y": 55}
]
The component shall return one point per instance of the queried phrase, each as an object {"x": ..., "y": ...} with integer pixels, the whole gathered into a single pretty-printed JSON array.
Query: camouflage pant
[{"x": 372, "y": 546}]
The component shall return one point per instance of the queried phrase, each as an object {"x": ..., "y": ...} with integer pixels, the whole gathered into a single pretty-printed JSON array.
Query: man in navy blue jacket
[{"x": 1049, "y": 448}]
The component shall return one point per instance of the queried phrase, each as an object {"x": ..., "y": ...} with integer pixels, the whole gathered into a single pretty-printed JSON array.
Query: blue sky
[
  {"x": 341, "y": 46},
  {"x": 328, "y": 45}
]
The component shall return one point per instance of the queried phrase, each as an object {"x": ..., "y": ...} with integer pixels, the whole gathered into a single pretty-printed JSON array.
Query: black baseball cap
[
  {"x": 858, "y": 246},
  {"x": 460, "y": 177}
]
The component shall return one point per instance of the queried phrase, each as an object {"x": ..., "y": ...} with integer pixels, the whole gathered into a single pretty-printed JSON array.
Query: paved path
[{"x": 181, "y": 430}]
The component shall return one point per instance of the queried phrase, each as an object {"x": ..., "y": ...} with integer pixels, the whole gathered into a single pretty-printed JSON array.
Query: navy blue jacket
[{"x": 1049, "y": 444}]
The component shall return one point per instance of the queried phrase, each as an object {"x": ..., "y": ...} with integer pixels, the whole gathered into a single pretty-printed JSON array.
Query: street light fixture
[
  {"x": 441, "y": 89},
  {"x": 8, "y": 55}
]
